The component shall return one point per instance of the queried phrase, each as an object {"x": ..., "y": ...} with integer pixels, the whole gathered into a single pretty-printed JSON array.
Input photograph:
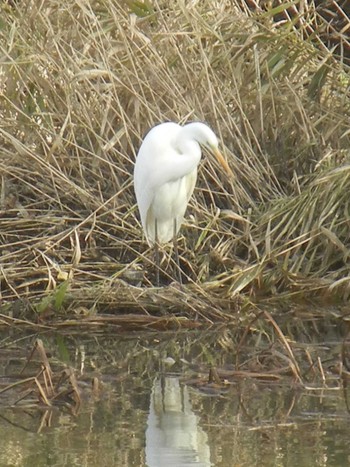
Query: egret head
[{"x": 201, "y": 133}]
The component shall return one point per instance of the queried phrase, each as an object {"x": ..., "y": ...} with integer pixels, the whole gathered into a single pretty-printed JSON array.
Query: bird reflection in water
[{"x": 173, "y": 435}]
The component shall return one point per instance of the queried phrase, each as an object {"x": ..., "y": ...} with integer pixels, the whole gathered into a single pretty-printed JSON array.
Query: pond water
[{"x": 157, "y": 406}]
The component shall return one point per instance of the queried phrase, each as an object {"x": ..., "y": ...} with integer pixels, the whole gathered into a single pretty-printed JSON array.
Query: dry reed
[{"x": 80, "y": 84}]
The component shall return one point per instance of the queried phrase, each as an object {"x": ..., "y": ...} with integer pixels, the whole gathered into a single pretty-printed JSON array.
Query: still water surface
[{"x": 154, "y": 408}]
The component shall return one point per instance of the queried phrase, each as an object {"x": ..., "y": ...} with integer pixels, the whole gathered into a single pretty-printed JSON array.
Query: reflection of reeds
[
  {"x": 79, "y": 88},
  {"x": 46, "y": 388},
  {"x": 255, "y": 397}
]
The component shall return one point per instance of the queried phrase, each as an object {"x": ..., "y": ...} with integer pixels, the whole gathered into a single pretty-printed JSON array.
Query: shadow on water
[{"x": 224, "y": 397}]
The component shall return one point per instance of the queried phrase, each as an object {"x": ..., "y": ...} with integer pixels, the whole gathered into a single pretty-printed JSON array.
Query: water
[{"x": 156, "y": 407}]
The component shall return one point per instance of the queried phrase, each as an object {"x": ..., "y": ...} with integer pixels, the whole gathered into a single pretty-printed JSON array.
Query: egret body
[{"x": 165, "y": 175}]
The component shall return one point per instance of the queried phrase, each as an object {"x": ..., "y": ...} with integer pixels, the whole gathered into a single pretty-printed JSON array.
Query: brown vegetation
[{"x": 80, "y": 83}]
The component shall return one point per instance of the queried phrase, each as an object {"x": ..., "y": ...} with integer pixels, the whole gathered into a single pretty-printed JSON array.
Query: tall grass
[{"x": 81, "y": 83}]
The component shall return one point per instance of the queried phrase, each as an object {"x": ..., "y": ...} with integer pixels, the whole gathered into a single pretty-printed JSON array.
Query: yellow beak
[{"x": 222, "y": 161}]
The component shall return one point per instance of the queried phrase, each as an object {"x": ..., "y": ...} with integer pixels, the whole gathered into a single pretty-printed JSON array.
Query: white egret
[{"x": 165, "y": 175}]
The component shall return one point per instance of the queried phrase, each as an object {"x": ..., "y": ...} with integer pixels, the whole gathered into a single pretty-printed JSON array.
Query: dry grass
[
  {"x": 39, "y": 386},
  {"x": 81, "y": 82}
]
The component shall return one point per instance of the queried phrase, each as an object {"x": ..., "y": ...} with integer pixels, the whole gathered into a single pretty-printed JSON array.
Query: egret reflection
[{"x": 173, "y": 435}]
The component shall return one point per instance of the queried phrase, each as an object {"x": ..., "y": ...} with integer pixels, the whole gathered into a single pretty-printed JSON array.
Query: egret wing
[{"x": 144, "y": 197}]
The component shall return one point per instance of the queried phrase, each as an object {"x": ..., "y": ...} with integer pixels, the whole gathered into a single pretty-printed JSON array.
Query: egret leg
[
  {"x": 156, "y": 251},
  {"x": 176, "y": 251}
]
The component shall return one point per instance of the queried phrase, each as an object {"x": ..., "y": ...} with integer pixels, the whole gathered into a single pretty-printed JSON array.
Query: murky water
[{"x": 156, "y": 407}]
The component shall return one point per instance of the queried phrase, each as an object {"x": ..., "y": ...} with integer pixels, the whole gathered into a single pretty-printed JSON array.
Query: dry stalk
[{"x": 79, "y": 87}]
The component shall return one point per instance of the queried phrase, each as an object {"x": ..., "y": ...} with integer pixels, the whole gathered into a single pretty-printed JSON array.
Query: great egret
[{"x": 165, "y": 175}]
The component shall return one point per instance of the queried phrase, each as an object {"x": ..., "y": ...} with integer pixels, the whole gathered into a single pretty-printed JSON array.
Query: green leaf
[
  {"x": 278, "y": 60},
  {"x": 60, "y": 295},
  {"x": 141, "y": 9},
  {"x": 62, "y": 349},
  {"x": 318, "y": 81},
  {"x": 279, "y": 9},
  {"x": 44, "y": 304},
  {"x": 245, "y": 278}
]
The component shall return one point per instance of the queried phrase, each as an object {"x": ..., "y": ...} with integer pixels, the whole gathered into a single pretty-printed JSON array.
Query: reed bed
[{"x": 82, "y": 82}]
